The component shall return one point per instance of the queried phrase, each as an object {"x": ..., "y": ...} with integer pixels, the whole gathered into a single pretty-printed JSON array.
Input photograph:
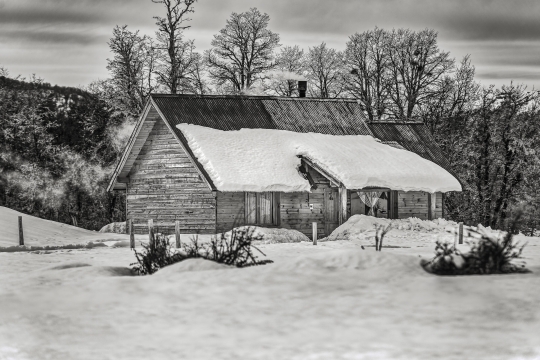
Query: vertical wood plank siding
[
  {"x": 296, "y": 213},
  {"x": 416, "y": 204},
  {"x": 166, "y": 187}
]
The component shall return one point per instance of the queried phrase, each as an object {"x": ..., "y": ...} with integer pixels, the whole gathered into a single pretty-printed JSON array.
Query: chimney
[{"x": 302, "y": 87}]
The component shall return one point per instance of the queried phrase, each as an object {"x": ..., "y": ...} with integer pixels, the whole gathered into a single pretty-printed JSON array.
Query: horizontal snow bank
[
  {"x": 41, "y": 232},
  {"x": 385, "y": 264},
  {"x": 267, "y": 160},
  {"x": 358, "y": 226},
  {"x": 192, "y": 265},
  {"x": 274, "y": 235},
  {"x": 23, "y": 248}
]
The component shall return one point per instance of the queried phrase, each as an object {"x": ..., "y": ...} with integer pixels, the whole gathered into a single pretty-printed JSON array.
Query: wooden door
[{"x": 331, "y": 210}]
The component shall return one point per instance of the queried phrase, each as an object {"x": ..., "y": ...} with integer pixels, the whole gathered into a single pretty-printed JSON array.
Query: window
[
  {"x": 372, "y": 203},
  {"x": 262, "y": 208}
]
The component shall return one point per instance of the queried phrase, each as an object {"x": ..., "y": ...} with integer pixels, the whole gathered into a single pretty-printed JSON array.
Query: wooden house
[{"x": 164, "y": 179}]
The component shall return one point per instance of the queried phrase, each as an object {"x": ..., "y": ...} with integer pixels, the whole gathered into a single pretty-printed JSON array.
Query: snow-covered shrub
[
  {"x": 235, "y": 250},
  {"x": 493, "y": 253},
  {"x": 115, "y": 227},
  {"x": 155, "y": 255}
]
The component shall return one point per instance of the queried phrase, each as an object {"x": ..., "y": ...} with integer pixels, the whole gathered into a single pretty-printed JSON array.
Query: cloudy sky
[{"x": 65, "y": 41}]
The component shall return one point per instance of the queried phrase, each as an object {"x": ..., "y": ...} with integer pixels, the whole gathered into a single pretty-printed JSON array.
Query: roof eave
[{"x": 129, "y": 146}]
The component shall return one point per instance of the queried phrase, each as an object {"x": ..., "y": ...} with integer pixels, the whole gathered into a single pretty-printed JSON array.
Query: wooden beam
[
  {"x": 394, "y": 204},
  {"x": 433, "y": 206},
  {"x": 430, "y": 202},
  {"x": 342, "y": 217}
]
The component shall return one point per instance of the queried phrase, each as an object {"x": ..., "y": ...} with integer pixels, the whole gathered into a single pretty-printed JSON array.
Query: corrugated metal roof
[
  {"x": 335, "y": 117},
  {"x": 414, "y": 137},
  {"x": 325, "y": 116}
]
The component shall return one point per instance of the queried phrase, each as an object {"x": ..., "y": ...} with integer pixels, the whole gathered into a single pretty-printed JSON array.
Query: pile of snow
[
  {"x": 268, "y": 160},
  {"x": 192, "y": 265},
  {"x": 40, "y": 232},
  {"x": 274, "y": 235},
  {"x": 387, "y": 264},
  {"x": 362, "y": 226},
  {"x": 115, "y": 227}
]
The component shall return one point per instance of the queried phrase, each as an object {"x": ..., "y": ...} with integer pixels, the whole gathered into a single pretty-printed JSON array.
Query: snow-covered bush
[
  {"x": 492, "y": 253},
  {"x": 235, "y": 250},
  {"x": 115, "y": 227}
]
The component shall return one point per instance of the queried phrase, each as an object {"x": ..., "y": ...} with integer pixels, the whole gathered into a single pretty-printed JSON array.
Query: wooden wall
[
  {"x": 416, "y": 203},
  {"x": 165, "y": 186},
  {"x": 230, "y": 210},
  {"x": 295, "y": 210}
]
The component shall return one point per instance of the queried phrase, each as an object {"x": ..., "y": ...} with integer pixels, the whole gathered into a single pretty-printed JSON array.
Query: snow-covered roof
[{"x": 268, "y": 160}]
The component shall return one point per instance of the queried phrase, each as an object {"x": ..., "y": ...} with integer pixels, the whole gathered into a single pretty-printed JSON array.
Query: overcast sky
[{"x": 65, "y": 41}]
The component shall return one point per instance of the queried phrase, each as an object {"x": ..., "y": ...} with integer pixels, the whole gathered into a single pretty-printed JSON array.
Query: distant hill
[{"x": 23, "y": 85}]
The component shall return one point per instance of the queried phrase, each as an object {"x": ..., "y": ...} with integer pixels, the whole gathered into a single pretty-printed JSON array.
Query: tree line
[{"x": 488, "y": 134}]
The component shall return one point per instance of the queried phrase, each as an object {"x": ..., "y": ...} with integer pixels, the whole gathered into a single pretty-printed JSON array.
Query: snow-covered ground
[{"x": 330, "y": 301}]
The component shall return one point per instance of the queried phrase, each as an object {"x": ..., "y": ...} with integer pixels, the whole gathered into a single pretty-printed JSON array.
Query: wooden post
[
  {"x": 342, "y": 211},
  {"x": 21, "y": 235},
  {"x": 461, "y": 233},
  {"x": 150, "y": 231},
  {"x": 131, "y": 234},
  {"x": 314, "y": 230},
  {"x": 177, "y": 233}
]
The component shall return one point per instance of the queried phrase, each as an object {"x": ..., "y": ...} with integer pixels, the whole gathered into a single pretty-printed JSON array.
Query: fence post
[
  {"x": 150, "y": 231},
  {"x": 21, "y": 235},
  {"x": 461, "y": 233},
  {"x": 177, "y": 233},
  {"x": 314, "y": 230},
  {"x": 131, "y": 234}
]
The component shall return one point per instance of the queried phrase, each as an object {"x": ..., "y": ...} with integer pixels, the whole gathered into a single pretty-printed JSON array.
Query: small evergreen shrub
[
  {"x": 491, "y": 254},
  {"x": 234, "y": 248}
]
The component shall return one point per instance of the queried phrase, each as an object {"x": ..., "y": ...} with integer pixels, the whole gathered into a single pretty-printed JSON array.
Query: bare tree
[
  {"x": 324, "y": 68},
  {"x": 175, "y": 54},
  {"x": 131, "y": 69},
  {"x": 199, "y": 74},
  {"x": 289, "y": 69},
  {"x": 242, "y": 51},
  {"x": 367, "y": 71},
  {"x": 417, "y": 67},
  {"x": 454, "y": 95},
  {"x": 4, "y": 71}
]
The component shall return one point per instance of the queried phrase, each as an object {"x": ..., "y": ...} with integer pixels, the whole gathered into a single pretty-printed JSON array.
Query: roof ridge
[{"x": 253, "y": 97}]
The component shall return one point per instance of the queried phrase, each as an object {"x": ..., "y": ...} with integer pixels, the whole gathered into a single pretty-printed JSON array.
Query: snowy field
[{"x": 330, "y": 301}]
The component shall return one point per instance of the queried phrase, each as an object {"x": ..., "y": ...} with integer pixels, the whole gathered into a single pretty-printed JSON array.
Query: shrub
[
  {"x": 380, "y": 233},
  {"x": 491, "y": 254},
  {"x": 234, "y": 249}
]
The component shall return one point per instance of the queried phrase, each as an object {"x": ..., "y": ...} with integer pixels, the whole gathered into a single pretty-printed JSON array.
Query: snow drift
[
  {"x": 40, "y": 232},
  {"x": 267, "y": 160},
  {"x": 274, "y": 235},
  {"x": 360, "y": 226}
]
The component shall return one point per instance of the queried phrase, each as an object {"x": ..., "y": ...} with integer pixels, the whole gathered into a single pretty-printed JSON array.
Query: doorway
[{"x": 331, "y": 210}]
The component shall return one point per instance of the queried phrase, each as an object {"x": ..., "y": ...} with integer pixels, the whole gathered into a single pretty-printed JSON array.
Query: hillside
[{"x": 40, "y": 232}]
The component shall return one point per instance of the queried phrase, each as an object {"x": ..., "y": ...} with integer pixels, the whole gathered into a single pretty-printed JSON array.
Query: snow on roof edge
[{"x": 259, "y": 160}]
